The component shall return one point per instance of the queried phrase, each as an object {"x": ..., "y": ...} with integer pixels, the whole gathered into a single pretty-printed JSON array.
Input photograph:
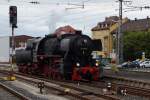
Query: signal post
[{"x": 13, "y": 24}]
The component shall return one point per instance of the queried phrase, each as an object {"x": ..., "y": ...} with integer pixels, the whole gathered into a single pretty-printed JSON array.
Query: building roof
[
  {"x": 129, "y": 25},
  {"x": 20, "y": 38},
  {"x": 136, "y": 25},
  {"x": 112, "y": 19},
  {"x": 105, "y": 25}
]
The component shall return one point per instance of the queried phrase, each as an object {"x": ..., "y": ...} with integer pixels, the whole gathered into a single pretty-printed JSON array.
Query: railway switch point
[
  {"x": 41, "y": 86},
  {"x": 9, "y": 78},
  {"x": 78, "y": 83},
  {"x": 12, "y": 78},
  {"x": 67, "y": 90},
  {"x": 124, "y": 92},
  {"x": 104, "y": 91}
]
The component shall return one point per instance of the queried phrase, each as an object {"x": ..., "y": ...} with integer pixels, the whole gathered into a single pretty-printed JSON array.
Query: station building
[
  {"x": 106, "y": 31},
  {"x": 6, "y": 46},
  {"x": 20, "y": 41}
]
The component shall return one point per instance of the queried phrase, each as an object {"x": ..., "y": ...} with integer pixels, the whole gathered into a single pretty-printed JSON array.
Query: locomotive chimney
[
  {"x": 147, "y": 17},
  {"x": 78, "y": 32}
]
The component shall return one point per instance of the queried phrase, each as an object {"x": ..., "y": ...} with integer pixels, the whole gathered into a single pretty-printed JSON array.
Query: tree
[{"x": 135, "y": 43}]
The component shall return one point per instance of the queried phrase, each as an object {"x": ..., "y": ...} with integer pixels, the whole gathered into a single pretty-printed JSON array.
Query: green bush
[{"x": 135, "y": 43}]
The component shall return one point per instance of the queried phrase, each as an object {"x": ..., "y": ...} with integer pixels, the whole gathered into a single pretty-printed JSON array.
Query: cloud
[{"x": 38, "y": 20}]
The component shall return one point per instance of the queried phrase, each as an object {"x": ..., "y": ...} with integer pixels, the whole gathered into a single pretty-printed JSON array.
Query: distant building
[
  {"x": 6, "y": 46},
  {"x": 136, "y": 25},
  {"x": 20, "y": 41},
  {"x": 106, "y": 31},
  {"x": 4, "y": 49}
]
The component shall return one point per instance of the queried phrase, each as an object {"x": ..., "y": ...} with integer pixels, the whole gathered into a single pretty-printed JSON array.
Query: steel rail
[
  {"x": 131, "y": 89},
  {"x": 104, "y": 96},
  {"x": 17, "y": 94},
  {"x": 108, "y": 97}
]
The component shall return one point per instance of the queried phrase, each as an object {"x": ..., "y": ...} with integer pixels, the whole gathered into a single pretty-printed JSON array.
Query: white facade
[{"x": 4, "y": 49}]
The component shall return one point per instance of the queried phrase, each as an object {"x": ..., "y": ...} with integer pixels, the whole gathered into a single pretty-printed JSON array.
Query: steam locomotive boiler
[{"x": 65, "y": 56}]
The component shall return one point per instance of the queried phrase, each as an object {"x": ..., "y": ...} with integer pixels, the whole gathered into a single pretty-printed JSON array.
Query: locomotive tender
[{"x": 65, "y": 56}]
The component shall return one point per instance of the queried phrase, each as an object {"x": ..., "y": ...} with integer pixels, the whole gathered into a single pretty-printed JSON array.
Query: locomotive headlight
[
  {"x": 96, "y": 64},
  {"x": 77, "y": 64}
]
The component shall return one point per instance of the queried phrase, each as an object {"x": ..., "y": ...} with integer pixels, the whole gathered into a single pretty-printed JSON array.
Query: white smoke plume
[{"x": 54, "y": 19}]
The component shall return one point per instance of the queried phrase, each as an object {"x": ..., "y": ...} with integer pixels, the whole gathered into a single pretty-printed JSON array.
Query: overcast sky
[{"x": 44, "y": 18}]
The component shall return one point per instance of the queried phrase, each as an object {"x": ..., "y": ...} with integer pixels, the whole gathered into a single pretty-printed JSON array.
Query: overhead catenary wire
[
  {"x": 136, "y": 8},
  {"x": 74, "y": 20}
]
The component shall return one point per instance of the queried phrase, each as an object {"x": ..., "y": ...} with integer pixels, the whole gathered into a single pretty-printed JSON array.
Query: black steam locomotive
[{"x": 65, "y": 56}]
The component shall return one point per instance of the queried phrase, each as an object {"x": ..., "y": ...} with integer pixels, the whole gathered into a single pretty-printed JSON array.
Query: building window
[
  {"x": 21, "y": 44},
  {"x": 105, "y": 43},
  {"x": 106, "y": 25}
]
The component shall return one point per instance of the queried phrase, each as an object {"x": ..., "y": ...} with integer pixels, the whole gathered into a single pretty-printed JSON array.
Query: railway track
[
  {"x": 134, "y": 87},
  {"x": 117, "y": 84},
  {"x": 131, "y": 90},
  {"x": 117, "y": 87},
  {"x": 16, "y": 94},
  {"x": 75, "y": 90}
]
